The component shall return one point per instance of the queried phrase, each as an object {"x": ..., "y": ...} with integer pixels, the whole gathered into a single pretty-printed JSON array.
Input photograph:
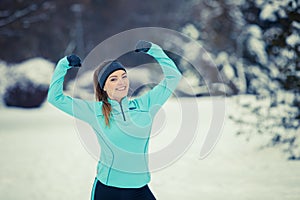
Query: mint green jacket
[{"x": 124, "y": 144}]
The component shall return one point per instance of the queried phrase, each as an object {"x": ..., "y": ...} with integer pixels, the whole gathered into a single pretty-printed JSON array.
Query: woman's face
[{"x": 117, "y": 85}]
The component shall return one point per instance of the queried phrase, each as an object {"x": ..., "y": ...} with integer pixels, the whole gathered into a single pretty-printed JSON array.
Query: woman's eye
[
  {"x": 125, "y": 76},
  {"x": 113, "y": 79}
]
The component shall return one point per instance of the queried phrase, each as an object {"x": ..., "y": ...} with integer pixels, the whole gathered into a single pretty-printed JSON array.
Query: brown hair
[{"x": 100, "y": 94}]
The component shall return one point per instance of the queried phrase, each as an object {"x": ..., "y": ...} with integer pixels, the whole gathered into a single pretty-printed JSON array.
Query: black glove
[
  {"x": 142, "y": 46},
  {"x": 74, "y": 61}
]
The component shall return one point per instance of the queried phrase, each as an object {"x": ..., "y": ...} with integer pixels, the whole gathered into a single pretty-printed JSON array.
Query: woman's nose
[{"x": 121, "y": 81}]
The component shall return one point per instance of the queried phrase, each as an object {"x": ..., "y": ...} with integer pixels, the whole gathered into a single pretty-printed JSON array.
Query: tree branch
[{"x": 17, "y": 15}]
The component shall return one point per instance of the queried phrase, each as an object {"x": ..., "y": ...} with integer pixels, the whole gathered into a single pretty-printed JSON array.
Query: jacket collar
[
  {"x": 116, "y": 106},
  {"x": 121, "y": 106}
]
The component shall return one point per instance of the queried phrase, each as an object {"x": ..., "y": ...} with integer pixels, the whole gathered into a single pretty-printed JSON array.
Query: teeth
[{"x": 121, "y": 88}]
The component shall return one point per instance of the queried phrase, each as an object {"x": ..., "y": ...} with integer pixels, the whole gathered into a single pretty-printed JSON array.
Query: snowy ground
[{"x": 42, "y": 158}]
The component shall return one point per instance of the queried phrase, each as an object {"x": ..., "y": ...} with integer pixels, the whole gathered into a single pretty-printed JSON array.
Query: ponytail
[{"x": 101, "y": 95}]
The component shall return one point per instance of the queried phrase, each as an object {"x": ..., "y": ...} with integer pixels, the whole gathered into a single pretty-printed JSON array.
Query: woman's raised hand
[
  {"x": 142, "y": 46},
  {"x": 74, "y": 60}
]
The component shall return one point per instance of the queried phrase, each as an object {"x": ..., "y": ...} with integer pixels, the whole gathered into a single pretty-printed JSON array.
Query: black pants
[{"x": 104, "y": 192}]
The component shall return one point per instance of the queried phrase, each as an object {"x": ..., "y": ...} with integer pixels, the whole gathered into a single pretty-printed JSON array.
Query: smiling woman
[
  {"x": 122, "y": 126},
  {"x": 116, "y": 85},
  {"x": 110, "y": 81}
]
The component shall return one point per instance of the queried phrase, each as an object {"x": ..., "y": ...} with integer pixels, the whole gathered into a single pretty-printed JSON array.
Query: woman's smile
[{"x": 121, "y": 88}]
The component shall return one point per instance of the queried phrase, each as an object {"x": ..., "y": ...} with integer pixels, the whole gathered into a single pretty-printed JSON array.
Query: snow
[
  {"x": 3, "y": 80},
  {"x": 271, "y": 8},
  {"x": 293, "y": 40},
  {"x": 256, "y": 45},
  {"x": 268, "y": 13},
  {"x": 254, "y": 31},
  {"x": 42, "y": 158},
  {"x": 37, "y": 70},
  {"x": 296, "y": 24},
  {"x": 223, "y": 59},
  {"x": 191, "y": 31},
  {"x": 270, "y": 117},
  {"x": 233, "y": 72}
]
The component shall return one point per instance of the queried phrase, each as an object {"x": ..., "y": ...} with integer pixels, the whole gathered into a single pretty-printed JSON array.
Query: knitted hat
[{"x": 107, "y": 70}]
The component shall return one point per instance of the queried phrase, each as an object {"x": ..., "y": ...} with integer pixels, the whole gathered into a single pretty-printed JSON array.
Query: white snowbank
[{"x": 36, "y": 70}]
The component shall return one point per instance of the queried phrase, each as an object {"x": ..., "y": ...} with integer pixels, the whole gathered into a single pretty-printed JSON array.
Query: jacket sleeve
[
  {"x": 161, "y": 92},
  {"x": 81, "y": 109}
]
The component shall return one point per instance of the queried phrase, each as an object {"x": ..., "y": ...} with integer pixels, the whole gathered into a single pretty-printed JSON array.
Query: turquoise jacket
[{"x": 124, "y": 144}]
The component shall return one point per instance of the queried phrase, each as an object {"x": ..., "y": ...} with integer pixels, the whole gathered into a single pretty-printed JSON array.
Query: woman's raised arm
[
  {"x": 81, "y": 109},
  {"x": 161, "y": 92}
]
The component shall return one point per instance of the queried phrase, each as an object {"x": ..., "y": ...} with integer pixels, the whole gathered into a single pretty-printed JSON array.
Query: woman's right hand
[{"x": 74, "y": 60}]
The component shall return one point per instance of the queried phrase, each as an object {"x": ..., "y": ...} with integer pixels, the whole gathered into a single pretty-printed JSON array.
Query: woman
[{"x": 122, "y": 126}]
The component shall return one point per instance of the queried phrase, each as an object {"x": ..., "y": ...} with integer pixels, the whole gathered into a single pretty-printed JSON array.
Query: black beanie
[{"x": 107, "y": 70}]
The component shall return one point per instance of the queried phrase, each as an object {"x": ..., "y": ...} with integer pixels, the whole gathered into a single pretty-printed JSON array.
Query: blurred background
[{"x": 255, "y": 45}]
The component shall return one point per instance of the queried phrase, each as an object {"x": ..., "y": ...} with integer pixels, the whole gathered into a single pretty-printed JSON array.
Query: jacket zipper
[{"x": 122, "y": 111}]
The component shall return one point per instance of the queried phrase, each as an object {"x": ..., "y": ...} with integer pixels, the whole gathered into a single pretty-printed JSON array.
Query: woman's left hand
[{"x": 143, "y": 46}]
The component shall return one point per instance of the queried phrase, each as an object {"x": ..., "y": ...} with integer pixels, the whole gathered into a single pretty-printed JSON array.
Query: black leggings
[{"x": 104, "y": 192}]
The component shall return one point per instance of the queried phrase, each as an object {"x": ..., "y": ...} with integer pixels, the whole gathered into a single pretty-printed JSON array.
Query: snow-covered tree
[
  {"x": 256, "y": 48},
  {"x": 271, "y": 47}
]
